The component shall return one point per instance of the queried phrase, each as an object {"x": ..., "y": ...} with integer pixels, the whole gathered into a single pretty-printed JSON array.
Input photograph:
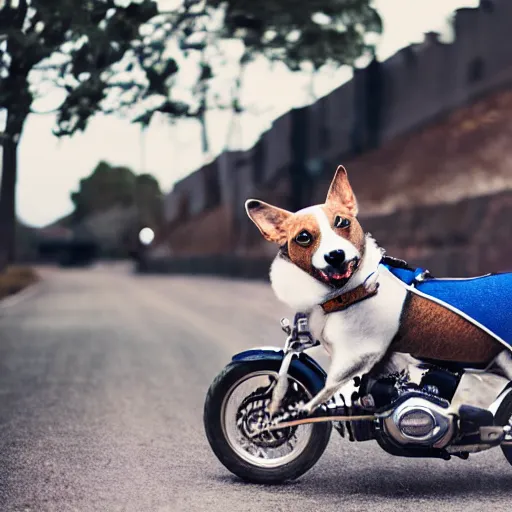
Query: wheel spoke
[
  {"x": 260, "y": 452},
  {"x": 248, "y": 402}
]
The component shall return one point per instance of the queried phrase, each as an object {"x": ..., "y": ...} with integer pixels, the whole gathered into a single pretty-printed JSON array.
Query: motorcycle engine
[
  {"x": 412, "y": 414},
  {"x": 418, "y": 420}
]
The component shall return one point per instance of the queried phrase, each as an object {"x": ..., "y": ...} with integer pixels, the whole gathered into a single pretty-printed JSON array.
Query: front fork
[{"x": 299, "y": 339}]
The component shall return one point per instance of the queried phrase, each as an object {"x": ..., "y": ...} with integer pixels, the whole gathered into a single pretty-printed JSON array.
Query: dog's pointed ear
[
  {"x": 269, "y": 220},
  {"x": 341, "y": 193}
]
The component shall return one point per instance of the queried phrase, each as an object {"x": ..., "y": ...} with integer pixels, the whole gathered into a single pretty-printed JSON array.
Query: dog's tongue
[
  {"x": 328, "y": 277},
  {"x": 340, "y": 276},
  {"x": 324, "y": 275}
]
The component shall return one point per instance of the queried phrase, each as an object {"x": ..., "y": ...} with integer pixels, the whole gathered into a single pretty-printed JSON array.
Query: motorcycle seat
[{"x": 484, "y": 300}]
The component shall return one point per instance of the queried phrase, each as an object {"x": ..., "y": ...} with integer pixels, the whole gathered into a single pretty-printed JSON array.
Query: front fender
[{"x": 304, "y": 364}]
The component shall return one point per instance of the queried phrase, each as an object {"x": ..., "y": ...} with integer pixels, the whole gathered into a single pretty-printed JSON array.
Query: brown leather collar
[{"x": 347, "y": 299}]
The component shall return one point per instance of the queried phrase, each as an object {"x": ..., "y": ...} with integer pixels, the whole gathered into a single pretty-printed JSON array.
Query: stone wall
[
  {"x": 428, "y": 128},
  {"x": 466, "y": 153},
  {"x": 471, "y": 237},
  {"x": 208, "y": 233}
]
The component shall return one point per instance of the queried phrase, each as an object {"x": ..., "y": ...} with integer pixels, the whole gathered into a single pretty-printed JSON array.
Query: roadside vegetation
[{"x": 15, "y": 279}]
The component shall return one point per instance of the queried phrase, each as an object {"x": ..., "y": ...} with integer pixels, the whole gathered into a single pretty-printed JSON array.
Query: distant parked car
[{"x": 68, "y": 253}]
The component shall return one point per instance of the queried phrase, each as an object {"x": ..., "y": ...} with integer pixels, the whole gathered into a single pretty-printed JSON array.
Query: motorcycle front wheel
[{"x": 236, "y": 400}]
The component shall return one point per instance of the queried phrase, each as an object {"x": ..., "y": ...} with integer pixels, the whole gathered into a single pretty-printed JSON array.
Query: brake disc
[{"x": 253, "y": 412}]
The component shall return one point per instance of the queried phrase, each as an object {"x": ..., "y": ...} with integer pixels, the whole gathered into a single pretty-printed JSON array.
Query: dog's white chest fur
[
  {"x": 376, "y": 319},
  {"x": 358, "y": 336},
  {"x": 372, "y": 323}
]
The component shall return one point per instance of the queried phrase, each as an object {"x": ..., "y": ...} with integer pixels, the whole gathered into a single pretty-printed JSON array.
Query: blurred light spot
[
  {"x": 146, "y": 236},
  {"x": 321, "y": 19}
]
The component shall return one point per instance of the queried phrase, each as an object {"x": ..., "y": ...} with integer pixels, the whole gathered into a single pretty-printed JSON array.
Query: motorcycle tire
[
  {"x": 213, "y": 424},
  {"x": 504, "y": 417}
]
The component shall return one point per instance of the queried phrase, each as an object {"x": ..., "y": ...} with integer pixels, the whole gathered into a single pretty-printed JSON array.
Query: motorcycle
[{"x": 253, "y": 429}]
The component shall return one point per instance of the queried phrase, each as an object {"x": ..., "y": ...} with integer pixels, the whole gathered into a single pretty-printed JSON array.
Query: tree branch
[
  {"x": 124, "y": 85},
  {"x": 51, "y": 111},
  {"x": 235, "y": 102}
]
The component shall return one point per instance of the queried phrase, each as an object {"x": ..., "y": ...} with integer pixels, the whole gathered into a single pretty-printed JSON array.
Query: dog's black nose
[{"x": 335, "y": 258}]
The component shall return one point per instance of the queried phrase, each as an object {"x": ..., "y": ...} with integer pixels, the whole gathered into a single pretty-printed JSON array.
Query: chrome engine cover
[{"x": 419, "y": 421}]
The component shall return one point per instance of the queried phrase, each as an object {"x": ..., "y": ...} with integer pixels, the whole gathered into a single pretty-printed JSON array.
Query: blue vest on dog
[{"x": 486, "y": 300}]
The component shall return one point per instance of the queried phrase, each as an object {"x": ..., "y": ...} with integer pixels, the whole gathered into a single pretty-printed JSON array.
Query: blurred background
[
  {"x": 119, "y": 116},
  {"x": 131, "y": 134}
]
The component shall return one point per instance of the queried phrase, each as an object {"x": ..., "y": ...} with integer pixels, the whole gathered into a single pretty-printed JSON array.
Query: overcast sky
[{"x": 50, "y": 168}]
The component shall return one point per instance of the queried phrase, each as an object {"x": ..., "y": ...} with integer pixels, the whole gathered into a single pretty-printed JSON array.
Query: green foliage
[
  {"x": 111, "y": 206},
  {"x": 110, "y": 186},
  {"x": 112, "y": 56},
  {"x": 76, "y": 41},
  {"x": 95, "y": 50},
  {"x": 71, "y": 44},
  {"x": 316, "y": 32},
  {"x": 149, "y": 200}
]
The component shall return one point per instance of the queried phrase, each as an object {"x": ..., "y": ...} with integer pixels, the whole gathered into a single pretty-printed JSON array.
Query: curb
[{"x": 25, "y": 294}]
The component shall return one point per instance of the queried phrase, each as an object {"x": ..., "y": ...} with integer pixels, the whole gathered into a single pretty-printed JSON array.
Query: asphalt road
[{"x": 102, "y": 381}]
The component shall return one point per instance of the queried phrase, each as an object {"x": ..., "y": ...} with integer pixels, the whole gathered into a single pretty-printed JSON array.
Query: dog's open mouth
[{"x": 338, "y": 277}]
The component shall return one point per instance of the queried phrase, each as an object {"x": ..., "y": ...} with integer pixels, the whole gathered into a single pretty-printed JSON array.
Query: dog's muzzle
[
  {"x": 336, "y": 259},
  {"x": 339, "y": 270}
]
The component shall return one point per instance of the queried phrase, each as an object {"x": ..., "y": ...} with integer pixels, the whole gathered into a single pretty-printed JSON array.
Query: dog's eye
[
  {"x": 304, "y": 238},
  {"x": 341, "y": 222}
]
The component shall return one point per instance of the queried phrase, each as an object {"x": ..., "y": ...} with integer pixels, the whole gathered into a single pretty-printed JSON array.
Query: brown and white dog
[{"x": 325, "y": 253}]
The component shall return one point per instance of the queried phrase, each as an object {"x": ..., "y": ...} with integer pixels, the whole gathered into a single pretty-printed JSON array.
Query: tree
[
  {"x": 149, "y": 201},
  {"x": 131, "y": 59},
  {"x": 135, "y": 200},
  {"x": 78, "y": 41},
  {"x": 110, "y": 186},
  {"x": 298, "y": 34},
  {"x": 106, "y": 187}
]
